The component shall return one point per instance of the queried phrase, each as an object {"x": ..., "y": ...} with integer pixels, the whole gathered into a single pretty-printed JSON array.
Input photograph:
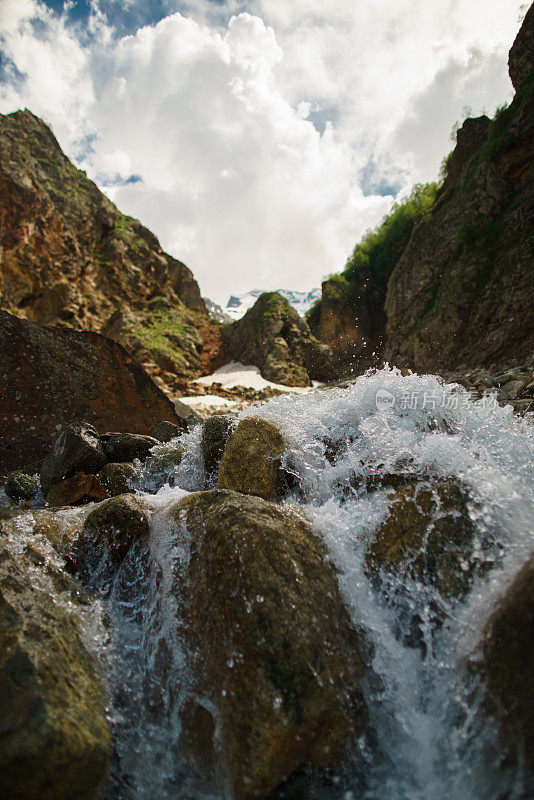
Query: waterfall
[{"x": 426, "y": 738}]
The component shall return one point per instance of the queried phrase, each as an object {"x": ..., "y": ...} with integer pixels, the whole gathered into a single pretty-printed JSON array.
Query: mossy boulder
[
  {"x": 215, "y": 433},
  {"x": 275, "y": 659},
  {"x": 116, "y": 478},
  {"x": 108, "y": 533},
  {"x": 507, "y": 664},
  {"x": 55, "y": 741},
  {"x": 252, "y": 459},
  {"x": 428, "y": 534},
  {"x": 273, "y": 337}
]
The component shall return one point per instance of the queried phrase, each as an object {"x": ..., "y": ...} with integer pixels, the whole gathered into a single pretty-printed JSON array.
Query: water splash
[{"x": 425, "y": 740}]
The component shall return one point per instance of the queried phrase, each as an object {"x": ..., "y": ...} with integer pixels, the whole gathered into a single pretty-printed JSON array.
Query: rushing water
[{"x": 425, "y": 739}]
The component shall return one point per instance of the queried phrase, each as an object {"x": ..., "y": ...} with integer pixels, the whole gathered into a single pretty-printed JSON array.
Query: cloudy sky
[{"x": 257, "y": 138}]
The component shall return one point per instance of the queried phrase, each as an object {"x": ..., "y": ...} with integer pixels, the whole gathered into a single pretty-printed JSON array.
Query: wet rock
[
  {"x": 215, "y": 433},
  {"x": 124, "y": 447},
  {"x": 252, "y": 459},
  {"x": 53, "y": 728},
  {"x": 116, "y": 477},
  {"x": 108, "y": 533},
  {"x": 76, "y": 490},
  {"x": 20, "y": 486},
  {"x": 428, "y": 534},
  {"x": 77, "y": 449},
  {"x": 276, "y": 660},
  {"x": 165, "y": 431},
  {"x": 508, "y": 661}
]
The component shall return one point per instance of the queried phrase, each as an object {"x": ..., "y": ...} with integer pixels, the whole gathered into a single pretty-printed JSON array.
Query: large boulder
[
  {"x": 77, "y": 449},
  {"x": 53, "y": 376},
  {"x": 507, "y": 663},
  {"x": 252, "y": 459},
  {"x": 276, "y": 661},
  {"x": 55, "y": 741},
  {"x": 273, "y": 337},
  {"x": 428, "y": 534}
]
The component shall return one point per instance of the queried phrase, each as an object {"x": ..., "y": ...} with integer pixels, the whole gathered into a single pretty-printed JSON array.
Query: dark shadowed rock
[
  {"x": 165, "y": 431},
  {"x": 20, "y": 486},
  {"x": 52, "y": 376},
  {"x": 77, "y": 449},
  {"x": 116, "y": 478},
  {"x": 215, "y": 433},
  {"x": 274, "y": 655},
  {"x": 76, "y": 490},
  {"x": 108, "y": 533},
  {"x": 521, "y": 56},
  {"x": 507, "y": 663},
  {"x": 55, "y": 741},
  {"x": 121, "y": 447},
  {"x": 252, "y": 459}
]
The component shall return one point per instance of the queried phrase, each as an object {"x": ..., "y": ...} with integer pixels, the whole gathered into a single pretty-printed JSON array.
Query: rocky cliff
[
  {"x": 462, "y": 293},
  {"x": 68, "y": 257},
  {"x": 459, "y": 292}
]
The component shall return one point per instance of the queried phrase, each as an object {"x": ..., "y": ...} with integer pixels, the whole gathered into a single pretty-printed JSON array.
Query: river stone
[
  {"x": 507, "y": 663},
  {"x": 20, "y": 486},
  {"x": 55, "y": 741},
  {"x": 215, "y": 433},
  {"x": 273, "y": 650},
  {"x": 76, "y": 490},
  {"x": 428, "y": 534},
  {"x": 109, "y": 531},
  {"x": 252, "y": 459},
  {"x": 115, "y": 478},
  {"x": 124, "y": 447},
  {"x": 77, "y": 449},
  {"x": 165, "y": 431}
]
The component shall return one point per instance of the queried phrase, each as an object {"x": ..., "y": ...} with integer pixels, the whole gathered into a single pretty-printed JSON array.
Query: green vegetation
[
  {"x": 374, "y": 258},
  {"x": 167, "y": 332}
]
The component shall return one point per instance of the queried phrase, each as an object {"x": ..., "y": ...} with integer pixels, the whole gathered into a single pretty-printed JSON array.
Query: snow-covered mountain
[{"x": 238, "y": 304}]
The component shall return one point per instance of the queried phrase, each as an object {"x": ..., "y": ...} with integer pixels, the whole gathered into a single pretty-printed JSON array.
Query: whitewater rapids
[{"x": 426, "y": 738}]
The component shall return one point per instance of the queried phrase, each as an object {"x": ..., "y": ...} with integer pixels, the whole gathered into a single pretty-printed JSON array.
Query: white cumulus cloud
[{"x": 258, "y": 132}]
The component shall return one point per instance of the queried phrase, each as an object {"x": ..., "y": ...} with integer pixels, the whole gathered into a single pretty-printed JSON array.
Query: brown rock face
[
  {"x": 354, "y": 331},
  {"x": 521, "y": 56},
  {"x": 461, "y": 295},
  {"x": 50, "y": 377},
  {"x": 76, "y": 490},
  {"x": 68, "y": 256},
  {"x": 53, "y": 728},
  {"x": 274, "y": 652},
  {"x": 508, "y": 662}
]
